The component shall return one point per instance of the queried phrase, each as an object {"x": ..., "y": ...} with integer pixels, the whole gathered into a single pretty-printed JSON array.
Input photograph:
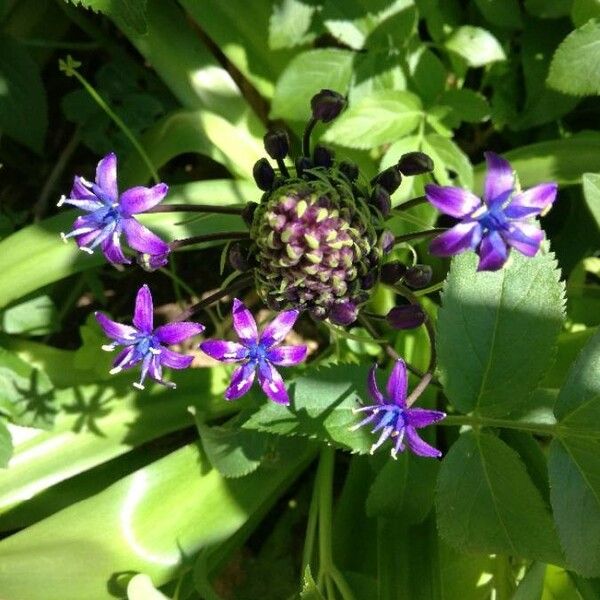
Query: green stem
[
  {"x": 547, "y": 429},
  {"x": 419, "y": 234},
  {"x": 306, "y": 137},
  {"x": 201, "y": 208},
  {"x": 311, "y": 528},
  {"x": 210, "y": 237},
  {"x": 324, "y": 482},
  {"x": 410, "y": 204}
]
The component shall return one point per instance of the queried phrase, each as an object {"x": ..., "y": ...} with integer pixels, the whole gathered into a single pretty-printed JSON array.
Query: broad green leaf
[
  {"x": 504, "y": 13},
  {"x": 584, "y": 10},
  {"x": 6, "y": 446},
  {"x": 289, "y": 24},
  {"x": 428, "y": 74},
  {"x": 497, "y": 331},
  {"x": 37, "y": 316},
  {"x": 570, "y": 345},
  {"x": 129, "y": 13},
  {"x": 574, "y": 463},
  {"x": 373, "y": 72},
  {"x": 380, "y": 118},
  {"x": 466, "y": 105},
  {"x": 591, "y": 193},
  {"x": 149, "y": 522},
  {"x": 305, "y": 75},
  {"x": 141, "y": 588},
  {"x": 574, "y": 68},
  {"x": 23, "y": 106},
  {"x": 486, "y": 502},
  {"x": 548, "y": 9},
  {"x": 477, "y": 46},
  {"x": 448, "y": 157},
  {"x": 321, "y": 408}
]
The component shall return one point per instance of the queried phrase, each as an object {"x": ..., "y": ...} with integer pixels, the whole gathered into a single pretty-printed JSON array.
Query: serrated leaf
[
  {"x": 305, "y": 75},
  {"x": 320, "y": 408},
  {"x": 447, "y": 156},
  {"x": 129, "y": 13},
  {"x": 584, "y": 10},
  {"x": 467, "y": 105},
  {"x": 591, "y": 193},
  {"x": 380, "y": 118},
  {"x": 6, "y": 447},
  {"x": 574, "y": 463},
  {"x": 23, "y": 106},
  {"x": 486, "y": 502},
  {"x": 289, "y": 24},
  {"x": 504, "y": 13},
  {"x": 477, "y": 46},
  {"x": 575, "y": 64},
  {"x": 497, "y": 331}
]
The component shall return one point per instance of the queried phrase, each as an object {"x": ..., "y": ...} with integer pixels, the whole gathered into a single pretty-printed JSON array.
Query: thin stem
[
  {"x": 419, "y": 234},
  {"x": 410, "y": 204},
  {"x": 282, "y": 168},
  {"x": 311, "y": 528},
  {"x": 201, "y": 208},
  {"x": 306, "y": 137},
  {"x": 210, "y": 237},
  {"x": 324, "y": 481}
]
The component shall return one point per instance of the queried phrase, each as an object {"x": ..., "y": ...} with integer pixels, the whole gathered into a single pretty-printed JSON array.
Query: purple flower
[
  {"x": 110, "y": 214},
  {"x": 502, "y": 220},
  {"x": 256, "y": 353},
  {"x": 394, "y": 418},
  {"x": 142, "y": 343}
]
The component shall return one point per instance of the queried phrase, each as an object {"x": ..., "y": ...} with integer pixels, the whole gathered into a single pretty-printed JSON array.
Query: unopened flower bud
[
  {"x": 152, "y": 262},
  {"x": 277, "y": 144},
  {"x": 343, "y": 313},
  {"x": 380, "y": 199},
  {"x": 248, "y": 213},
  {"x": 322, "y": 156},
  {"x": 387, "y": 240},
  {"x": 418, "y": 276},
  {"x": 302, "y": 163},
  {"x": 389, "y": 179},
  {"x": 392, "y": 272},
  {"x": 369, "y": 280},
  {"x": 327, "y": 105},
  {"x": 406, "y": 317},
  {"x": 238, "y": 257},
  {"x": 264, "y": 175},
  {"x": 349, "y": 169},
  {"x": 415, "y": 163}
]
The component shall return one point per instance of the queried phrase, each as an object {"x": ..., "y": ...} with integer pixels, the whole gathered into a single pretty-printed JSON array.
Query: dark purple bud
[
  {"x": 323, "y": 157},
  {"x": 264, "y": 175},
  {"x": 387, "y": 240},
  {"x": 418, "y": 276},
  {"x": 391, "y": 272},
  {"x": 389, "y": 179},
  {"x": 415, "y": 163},
  {"x": 152, "y": 262},
  {"x": 343, "y": 313},
  {"x": 277, "y": 144},
  {"x": 369, "y": 280},
  {"x": 238, "y": 257},
  {"x": 327, "y": 105},
  {"x": 303, "y": 163},
  {"x": 248, "y": 213},
  {"x": 350, "y": 170},
  {"x": 380, "y": 199},
  {"x": 406, "y": 317}
]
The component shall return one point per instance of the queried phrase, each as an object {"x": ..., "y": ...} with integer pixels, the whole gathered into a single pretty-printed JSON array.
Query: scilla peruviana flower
[
  {"x": 490, "y": 227},
  {"x": 110, "y": 214},
  {"x": 144, "y": 344},
  {"x": 257, "y": 353},
  {"x": 394, "y": 418}
]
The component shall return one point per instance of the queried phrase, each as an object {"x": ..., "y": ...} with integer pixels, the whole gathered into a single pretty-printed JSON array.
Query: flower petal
[
  {"x": 422, "y": 417},
  {"x": 143, "y": 317},
  {"x": 224, "y": 351},
  {"x": 457, "y": 239},
  {"x": 126, "y": 359},
  {"x": 140, "y": 238},
  {"x": 173, "y": 333},
  {"x": 525, "y": 237},
  {"x": 372, "y": 386},
  {"x": 272, "y": 383},
  {"x": 278, "y": 328},
  {"x": 531, "y": 202},
  {"x": 397, "y": 384},
  {"x": 452, "y": 201},
  {"x": 87, "y": 205},
  {"x": 82, "y": 190},
  {"x": 244, "y": 323},
  {"x": 111, "y": 247},
  {"x": 241, "y": 381},
  {"x": 492, "y": 252},
  {"x": 175, "y": 360},
  {"x": 139, "y": 199},
  {"x": 124, "y": 334},
  {"x": 419, "y": 446},
  {"x": 106, "y": 176},
  {"x": 500, "y": 177},
  {"x": 287, "y": 356}
]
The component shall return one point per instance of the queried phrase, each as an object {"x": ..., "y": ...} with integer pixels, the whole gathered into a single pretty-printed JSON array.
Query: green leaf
[
  {"x": 290, "y": 24},
  {"x": 141, "y": 588},
  {"x": 404, "y": 489},
  {"x": 584, "y": 10},
  {"x": 305, "y": 75},
  {"x": 6, "y": 446},
  {"x": 504, "y": 13},
  {"x": 477, "y": 46},
  {"x": 428, "y": 74},
  {"x": 486, "y": 502},
  {"x": 37, "y": 316},
  {"x": 320, "y": 408},
  {"x": 129, "y": 13},
  {"x": 234, "y": 452},
  {"x": 548, "y": 9},
  {"x": 447, "y": 156},
  {"x": 380, "y": 118},
  {"x": 375, "y": 71},
  {"x": 310, "y": 591},
  {"x": 23, "y": 106},
  {"x": 466, "y": 105},
  {"x": 574, "y": 463},
  {"x": 497, "y": 331},
  {"x": 574, "y": 68},
  {"x": 591, "y": 193}
]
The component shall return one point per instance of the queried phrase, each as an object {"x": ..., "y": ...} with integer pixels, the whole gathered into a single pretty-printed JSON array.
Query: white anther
[
  {"x": 63, "y": 237},
  {"x": 86, "y": 249},
  {"x": 108, "y": 347},
  {"x": 138, "y": 385},
  {"x": 61, "y": 201},
  {"x": 115, "y": 370},
  {"x": 154, "y": 351}
]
